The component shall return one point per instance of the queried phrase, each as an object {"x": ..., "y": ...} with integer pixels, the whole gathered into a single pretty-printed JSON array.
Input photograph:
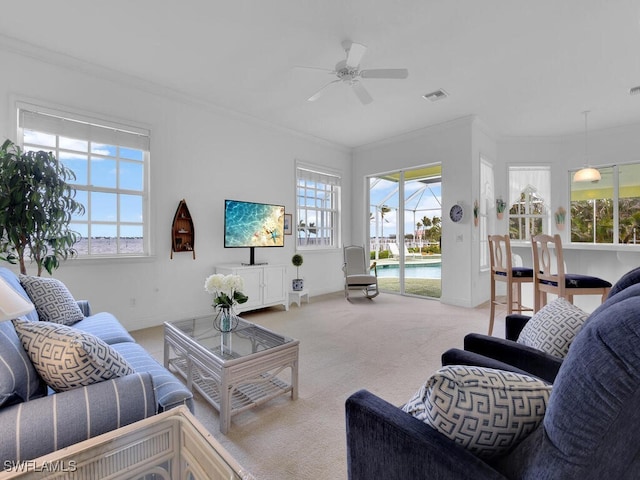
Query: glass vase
[{"x": 226, "y": 320}]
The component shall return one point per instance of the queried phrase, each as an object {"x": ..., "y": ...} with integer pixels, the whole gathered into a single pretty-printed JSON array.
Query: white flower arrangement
[{"x": 226, "y": 290}]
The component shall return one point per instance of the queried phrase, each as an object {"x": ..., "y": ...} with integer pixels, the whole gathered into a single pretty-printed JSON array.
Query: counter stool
[
  {"x": 562, "y": 284},
  {"x": 502, "y": 270}
]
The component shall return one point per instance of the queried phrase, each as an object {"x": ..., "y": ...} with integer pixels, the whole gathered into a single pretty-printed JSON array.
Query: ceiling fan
[{"x": 348, "y": 71}]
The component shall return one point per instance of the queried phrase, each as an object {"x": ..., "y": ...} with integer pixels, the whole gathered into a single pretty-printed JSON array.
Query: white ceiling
[{"x": 524, "y": 67}]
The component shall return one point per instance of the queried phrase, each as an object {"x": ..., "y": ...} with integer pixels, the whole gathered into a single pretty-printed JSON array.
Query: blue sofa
[
  {"x": 590, "y": 430},
  {"x": 36, "y": 420}
]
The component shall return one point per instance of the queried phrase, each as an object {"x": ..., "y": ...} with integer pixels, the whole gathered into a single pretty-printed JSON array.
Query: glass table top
[{"x": 246, "y": 339}]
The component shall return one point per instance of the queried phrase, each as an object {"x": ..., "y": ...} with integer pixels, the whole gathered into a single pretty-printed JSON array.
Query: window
[
  {"x": 318, "y": 208},
  {"x": 110, "y": 163},
  {"x": 607, "y": 211},
  {"x": 529, "y": 194}
]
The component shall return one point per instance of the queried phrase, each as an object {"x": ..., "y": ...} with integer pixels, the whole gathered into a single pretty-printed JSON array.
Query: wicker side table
[{"x": 172, "y": 444}]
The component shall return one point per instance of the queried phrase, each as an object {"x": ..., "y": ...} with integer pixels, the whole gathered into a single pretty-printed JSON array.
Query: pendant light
[{"x": 588, "y": 173}]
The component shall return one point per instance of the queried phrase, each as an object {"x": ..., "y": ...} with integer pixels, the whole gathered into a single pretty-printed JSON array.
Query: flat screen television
[{"x": 251, "y": 225}]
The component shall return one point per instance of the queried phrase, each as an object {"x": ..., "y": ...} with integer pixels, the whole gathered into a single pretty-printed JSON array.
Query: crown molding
[{"x": 57, "y": 59}]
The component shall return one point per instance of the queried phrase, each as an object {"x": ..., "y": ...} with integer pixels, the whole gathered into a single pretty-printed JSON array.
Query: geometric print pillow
[
  {"x": 53, "y": 301},
  {"x": 67, "y": 358},
  {"x": 487, "y": 411},
  {"x": 553, "y": 328}
]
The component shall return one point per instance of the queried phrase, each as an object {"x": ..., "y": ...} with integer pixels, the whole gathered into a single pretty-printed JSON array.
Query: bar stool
[
  {"x": 562, "y": 284},
  {"x": 502, "y": 270}
]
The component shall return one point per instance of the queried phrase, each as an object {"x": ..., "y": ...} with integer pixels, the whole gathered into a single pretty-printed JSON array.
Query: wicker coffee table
[{"x": 233, "y": 371}]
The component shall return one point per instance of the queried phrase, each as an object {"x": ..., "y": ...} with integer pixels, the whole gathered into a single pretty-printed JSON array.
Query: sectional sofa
[{"x": 67, "y": 374}]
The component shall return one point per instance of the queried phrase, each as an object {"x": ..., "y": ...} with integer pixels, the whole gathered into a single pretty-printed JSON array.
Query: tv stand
[
  {"x": 264, "y": 284},
  {"x": 256, "y": 263}
]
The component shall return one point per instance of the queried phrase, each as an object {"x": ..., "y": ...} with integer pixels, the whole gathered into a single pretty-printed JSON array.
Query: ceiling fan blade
[
  {"x": 385, "y": 73},
  {"x": 355, "y": 54},
  {"x": 320, "y": 92},
  {"x": 327, "y": 70},
  {"x": 361, "y": 93}
]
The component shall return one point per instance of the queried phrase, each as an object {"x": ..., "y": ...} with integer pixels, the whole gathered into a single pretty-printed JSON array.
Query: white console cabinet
[{"x": 263, "y": 284}]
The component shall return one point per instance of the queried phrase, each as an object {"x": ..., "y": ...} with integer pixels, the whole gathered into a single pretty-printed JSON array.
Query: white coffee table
[{"x": 233, "y": 371}]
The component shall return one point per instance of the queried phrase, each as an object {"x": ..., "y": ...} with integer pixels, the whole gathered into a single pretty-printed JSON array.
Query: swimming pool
[{"x": 431, "y": 270}]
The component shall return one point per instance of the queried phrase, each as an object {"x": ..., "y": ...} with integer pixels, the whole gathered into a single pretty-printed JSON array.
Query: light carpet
[{"x": 389, "y": 345}]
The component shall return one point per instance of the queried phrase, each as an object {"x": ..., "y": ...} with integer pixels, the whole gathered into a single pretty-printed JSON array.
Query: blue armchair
[{"x": 591, "y": 428}]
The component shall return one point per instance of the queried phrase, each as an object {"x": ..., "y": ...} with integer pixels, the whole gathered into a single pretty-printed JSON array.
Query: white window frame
[
  {"x": 487, "y": 204},
  {"x": 60, "y": 122},
  {"x": 520, "y": 181},
  {"x": 619, "y": 183},
  {"x": 323, "y": 185}
]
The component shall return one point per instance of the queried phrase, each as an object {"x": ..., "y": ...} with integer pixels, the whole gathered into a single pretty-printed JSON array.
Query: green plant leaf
[{"x": 36, "y": 208}]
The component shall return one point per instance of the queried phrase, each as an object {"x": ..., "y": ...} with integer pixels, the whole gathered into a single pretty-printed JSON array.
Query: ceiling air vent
[
  {"x": 435, "y": 96},
  {"x": 634, "y": 91}
]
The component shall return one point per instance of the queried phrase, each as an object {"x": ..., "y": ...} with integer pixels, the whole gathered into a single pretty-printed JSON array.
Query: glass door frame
[{"x": 400, "y": 175}]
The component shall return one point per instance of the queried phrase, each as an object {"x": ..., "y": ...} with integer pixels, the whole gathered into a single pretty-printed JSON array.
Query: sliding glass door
[
  {"x": 384, "y": 195},
  {"x": 405, "y": 212}
]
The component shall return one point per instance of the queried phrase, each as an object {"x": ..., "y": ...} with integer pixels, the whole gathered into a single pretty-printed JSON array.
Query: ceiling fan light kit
[
  {"x": 587, "y": 173},
  {"x": 348, "y": 71}
]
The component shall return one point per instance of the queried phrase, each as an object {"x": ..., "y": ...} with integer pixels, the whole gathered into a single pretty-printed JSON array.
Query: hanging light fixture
[{"x": 587, "y": 173}]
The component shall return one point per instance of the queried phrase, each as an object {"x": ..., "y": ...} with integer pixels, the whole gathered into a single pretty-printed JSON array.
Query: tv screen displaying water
[{"x": 249, "y": 224}]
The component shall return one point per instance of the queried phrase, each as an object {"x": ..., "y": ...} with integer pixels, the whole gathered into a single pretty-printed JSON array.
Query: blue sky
[
  {"x": 420, "y": 202},
  {"x": 104, "y": 167}
]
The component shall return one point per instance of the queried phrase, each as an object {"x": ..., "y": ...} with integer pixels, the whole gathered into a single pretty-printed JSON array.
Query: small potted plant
[
  {"x": 476, "y": 212},
  {"x": 501, "y": 205},
  {"x": 298, "y": 283},
  {"x": 560, "y": 215}
]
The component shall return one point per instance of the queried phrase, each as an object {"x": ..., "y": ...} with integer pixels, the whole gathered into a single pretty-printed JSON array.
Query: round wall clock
[{"x": 456, "y": 213}]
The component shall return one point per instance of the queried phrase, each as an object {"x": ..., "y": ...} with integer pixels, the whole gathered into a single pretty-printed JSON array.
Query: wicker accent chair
[{"x": 357, "y": 272}]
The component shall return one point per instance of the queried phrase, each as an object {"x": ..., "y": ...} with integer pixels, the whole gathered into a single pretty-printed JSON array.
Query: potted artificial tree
[
  {"x": 36, "y": 208},
  {"x": 298, "y": 283}
]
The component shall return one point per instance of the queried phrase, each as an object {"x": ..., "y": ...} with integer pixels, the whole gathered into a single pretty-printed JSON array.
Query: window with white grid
[
  {"x": 529, "y": 198},
  {"x": 110, "y": 162},
  {"x": 317, "y": 208}
]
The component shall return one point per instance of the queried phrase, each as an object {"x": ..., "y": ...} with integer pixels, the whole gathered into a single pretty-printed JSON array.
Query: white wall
[
  {"x": 451, "y": 145},
  {"x": 205, "y": 154},
  {"x": 199, "y": 153},
  {"x": 483, "y": 145},
  {"x": 458, "y": 145},
  {"x": 605, "y": 147}
]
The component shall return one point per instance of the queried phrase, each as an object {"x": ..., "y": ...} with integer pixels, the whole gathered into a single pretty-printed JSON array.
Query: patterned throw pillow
[
  {"x": 53, "y": 302},
  {"x": 485, "y": 410},
  {"x": 553, "y": 327},
  {"x": 67, "y": 358}
]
